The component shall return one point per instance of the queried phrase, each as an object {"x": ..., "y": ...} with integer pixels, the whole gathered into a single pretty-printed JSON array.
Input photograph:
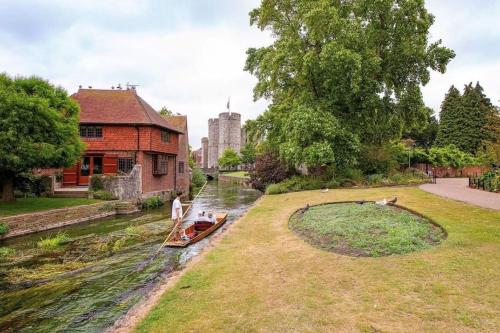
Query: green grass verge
[
  {"x": 239, "y": 174},
  {"x": 262, "y": 277},
  {"x": 30, "y": 205},
  {"x": 365, "y": 230}
]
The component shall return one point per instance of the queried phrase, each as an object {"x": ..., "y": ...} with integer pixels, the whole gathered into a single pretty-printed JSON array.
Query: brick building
[{"x": 121, "y": 131}]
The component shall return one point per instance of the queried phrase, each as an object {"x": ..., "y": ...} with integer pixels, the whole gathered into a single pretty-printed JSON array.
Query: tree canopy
[
  {"x": 355, "y": 67},
  {"x": 164, "y": 111},
  {"x": 229, "y": 159},
  {"x": 38, "y": 128},
  {"x": 467, "y": 121}
]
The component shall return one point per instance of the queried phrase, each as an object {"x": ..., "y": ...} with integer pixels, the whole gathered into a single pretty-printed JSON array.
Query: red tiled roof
[
  {"x": 179, "y": 122},
  {"x": 99, "y": 106}
]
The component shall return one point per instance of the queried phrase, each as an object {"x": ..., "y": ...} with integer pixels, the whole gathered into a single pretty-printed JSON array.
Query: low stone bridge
[{"x": 210, "y": 172}]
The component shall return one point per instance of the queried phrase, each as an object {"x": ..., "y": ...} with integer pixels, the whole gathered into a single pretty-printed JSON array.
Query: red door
[{"x": 89, "y": 166}]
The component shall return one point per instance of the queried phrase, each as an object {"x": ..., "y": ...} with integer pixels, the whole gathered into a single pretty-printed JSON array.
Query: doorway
[{"x": 89, "y": 166}]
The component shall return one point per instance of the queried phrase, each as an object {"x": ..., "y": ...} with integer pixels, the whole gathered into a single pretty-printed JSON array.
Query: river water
[{"x": 103, "y": 270}]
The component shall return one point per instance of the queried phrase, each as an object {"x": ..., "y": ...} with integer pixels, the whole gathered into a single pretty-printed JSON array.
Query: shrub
[
  {"x": 301, "y": 183},
  {"x": 269, "y": 169},
  {"x": 152, "y": 202},
  {"x": 276, "y": 189},
  {"x": 375, "y": 179},
  {"x": 198, "y": 177},
  {"x": 349, "y": 177},
  {"x": 103, "y": 195},
  {"x": 379, "y": 159},
  {"x": 96, "y": 183},
  {"x": 29, "y": 184},
  {"x": 3, "y": 229},
  {"x": 451, "y": 156},
  {"x": 53, "y": 242}
]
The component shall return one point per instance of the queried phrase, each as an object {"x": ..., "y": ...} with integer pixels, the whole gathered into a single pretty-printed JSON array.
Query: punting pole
[{"x": 179, "y": 222}]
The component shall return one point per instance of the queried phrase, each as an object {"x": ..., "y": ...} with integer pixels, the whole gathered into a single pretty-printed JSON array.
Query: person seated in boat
[
  {"x": 211, "y": 217},
  {"x": 184, "y": 237},
  {"x": 202, "y": 217}
]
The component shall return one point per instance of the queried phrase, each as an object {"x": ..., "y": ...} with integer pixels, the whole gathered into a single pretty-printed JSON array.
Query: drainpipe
[
  {"x": 175, "y": 172},
  {"x": 137, "y": 150}
]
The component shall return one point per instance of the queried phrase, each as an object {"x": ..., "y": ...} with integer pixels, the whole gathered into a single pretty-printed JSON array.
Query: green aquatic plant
[
  {"x": 152, "y": 202},
  {"x": 6, "y": 251},
  {"x": 53, "y": 242},
  {"x": 3, "y": 229},
  {"x": 118, "y": 244}
]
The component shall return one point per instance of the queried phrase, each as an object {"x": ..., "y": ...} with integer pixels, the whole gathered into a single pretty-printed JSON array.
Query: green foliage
[
  {"x": 199, "y": 178},
  {"x": 229, "y": 159},
  {"x": 382, "y": 159},
  {"x": 53, "y": 242},
  {"x": 152, "y": 202},
  {"x": 39, "y": 127},
  {"x": 378, "y": 231},
  {"x": 490, "y": 181},
  {"x": 248, "y": 153},
  {"x": 467, "y": 120},
  {"x": 30, "y": 184},
  {"x": 451, "y": 156},
  {"x": 6, "y": 251},
  {"x": 164, "y": 111},
  {"x": 3, "y": 229},
  {"x": 424, "y": 135},
  {"x": 96, "y": 183},
  {"x": 339, "y": 71},
  {"x": 103, "y": 195}
]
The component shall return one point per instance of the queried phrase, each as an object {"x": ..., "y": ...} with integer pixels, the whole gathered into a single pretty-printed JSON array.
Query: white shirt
[{"x": 176, "y": 205}]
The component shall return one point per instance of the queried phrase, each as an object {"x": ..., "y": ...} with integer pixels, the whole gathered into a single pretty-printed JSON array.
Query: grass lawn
[
  {"x": 240, "y": 174},
  {"x": 261, "y": 277},
  {"x": 30, "y": 205}
]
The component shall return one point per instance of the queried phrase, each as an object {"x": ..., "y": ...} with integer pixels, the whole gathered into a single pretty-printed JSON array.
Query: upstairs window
[
  {"x": 165, "y": 136},
  {"x": 91, "y": 132},
  {"x": 160, "y": 164},
  {"x": 181, "y": 167}
]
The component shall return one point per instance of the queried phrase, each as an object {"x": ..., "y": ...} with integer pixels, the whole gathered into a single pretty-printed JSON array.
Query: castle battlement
[{"x": 223, "y": 132}]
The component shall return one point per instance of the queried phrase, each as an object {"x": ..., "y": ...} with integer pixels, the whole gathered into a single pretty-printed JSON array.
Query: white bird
[
  {"x": 381, "y": 202},
  {"x": 324, "y": 191}
]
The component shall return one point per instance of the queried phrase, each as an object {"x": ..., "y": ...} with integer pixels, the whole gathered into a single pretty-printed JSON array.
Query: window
[
  {"x": 165, "y": 136},
  {"x": 91, "y": 131},
  {"x": 160, "y": 164},
  {"x": 125, "y": 164},
  {"x": 181, "y": 167}
]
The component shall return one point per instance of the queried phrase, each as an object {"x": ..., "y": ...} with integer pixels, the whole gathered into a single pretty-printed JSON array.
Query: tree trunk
[{"x": 8, "y": 190}]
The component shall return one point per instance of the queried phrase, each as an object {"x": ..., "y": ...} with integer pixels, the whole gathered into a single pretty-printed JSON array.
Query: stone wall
[
  {"x": 223, "y": 132},
  {"x": 128, "y": 187},
  {"x": 445, "y": 172},
  {"x": 55, "y": 218}
]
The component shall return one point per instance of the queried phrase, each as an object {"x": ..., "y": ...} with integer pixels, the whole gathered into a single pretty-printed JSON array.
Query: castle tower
[
  {"x": 204, "y": 152},
  {"x": 229, "y": 131},
  {"x": 213, "y": 142}
]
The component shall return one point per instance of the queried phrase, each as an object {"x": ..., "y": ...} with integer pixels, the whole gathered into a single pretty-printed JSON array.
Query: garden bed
[{"x": 365, "y": 229}]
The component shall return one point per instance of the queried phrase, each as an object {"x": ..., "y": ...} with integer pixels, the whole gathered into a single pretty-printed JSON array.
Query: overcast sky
[{"x": 189, "y": 55}]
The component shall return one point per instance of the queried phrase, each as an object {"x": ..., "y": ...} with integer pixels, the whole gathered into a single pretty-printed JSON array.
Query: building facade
[
  {"x": 122, "y": 131},
  {"x": 223, "y": 132}
]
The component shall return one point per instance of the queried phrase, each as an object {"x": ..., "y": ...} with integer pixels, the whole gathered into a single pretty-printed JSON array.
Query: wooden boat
[{"x": 196, "y": 232}]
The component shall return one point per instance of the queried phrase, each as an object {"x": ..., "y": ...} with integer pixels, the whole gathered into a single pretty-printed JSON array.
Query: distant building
[
  {"x": 122, "y": 134},
  {"x": 223, "y": 132},
  {"x": 197, "y": 156}
]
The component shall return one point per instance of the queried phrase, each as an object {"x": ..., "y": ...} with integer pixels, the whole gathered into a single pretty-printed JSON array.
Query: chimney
[
  {"x": 80, "y": 86},
  {"x": 113, "y": 87},
  {"x": 90, "y": 87}
]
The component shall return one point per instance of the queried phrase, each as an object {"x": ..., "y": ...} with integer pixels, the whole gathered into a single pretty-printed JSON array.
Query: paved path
[{"x": 457, "y": 188}]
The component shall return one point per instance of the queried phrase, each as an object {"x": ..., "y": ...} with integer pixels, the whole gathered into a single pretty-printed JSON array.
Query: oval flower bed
[{"x": 365, "y": 230}]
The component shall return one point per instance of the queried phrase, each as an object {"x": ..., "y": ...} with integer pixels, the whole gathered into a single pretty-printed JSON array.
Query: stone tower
[
  {"x": 204, "y": 152},
  {"x": 213, "y": 142}
]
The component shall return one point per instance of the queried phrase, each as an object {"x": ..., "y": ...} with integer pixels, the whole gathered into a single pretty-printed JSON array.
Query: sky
[{"x": 189, "y": 55}]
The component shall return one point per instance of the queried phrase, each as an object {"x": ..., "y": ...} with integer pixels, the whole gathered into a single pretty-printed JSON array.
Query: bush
[
  {"x": 29, "y": 184},
  {"x": 96, "y": 183},
  {"x": 103, "y": 195},
  {"x": 269, "y": 169},
  {"x": 490, "y": 181},
  {"x": 276, "y": 189},
  {"x": 53, "y": 242},
  {"x": 152, "y": 202},
  {"x": 451, "y": 156},
  {"x": 301, "y": 183},
  {"x": 198, "y": 178},
  {"x": 380, "y": 159},
  {"x": 376, "y": 179},
  {"x": 350, "y": 177},
  {"x": 3, "y": 229}
]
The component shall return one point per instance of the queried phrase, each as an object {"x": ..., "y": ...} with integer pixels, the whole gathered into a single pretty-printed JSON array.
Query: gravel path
[{"x": 457, "y": 188}]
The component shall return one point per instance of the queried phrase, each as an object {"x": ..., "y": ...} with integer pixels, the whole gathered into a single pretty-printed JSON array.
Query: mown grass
[
  {"x": 365, "y": 229},
  {"x": 240, "y": 174},
  {"x": 261, "y": 277},
  {"x": 30, "y": 205}
]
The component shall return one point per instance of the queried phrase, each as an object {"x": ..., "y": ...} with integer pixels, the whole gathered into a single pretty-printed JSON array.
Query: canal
[{"x": 102, "y": 270}]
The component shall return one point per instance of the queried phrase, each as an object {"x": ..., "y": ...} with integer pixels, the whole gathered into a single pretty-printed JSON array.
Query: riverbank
[{"x": 262, "y": 277}]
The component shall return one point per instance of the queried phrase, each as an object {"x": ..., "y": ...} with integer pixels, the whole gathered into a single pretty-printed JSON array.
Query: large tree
[
  {"x": 467, "y": 121},
  {"x": 38, "y": 128},
  {"x": 358, "y": 63}
]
